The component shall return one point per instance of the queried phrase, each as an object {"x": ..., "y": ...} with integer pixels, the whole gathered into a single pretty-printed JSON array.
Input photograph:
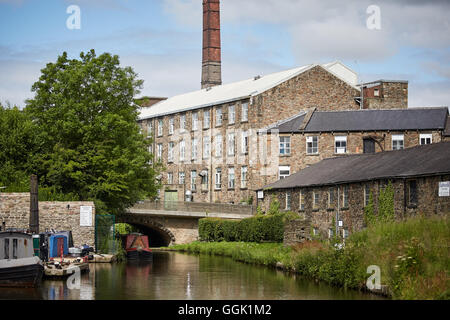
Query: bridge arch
[{"x": 159, "y": 235}]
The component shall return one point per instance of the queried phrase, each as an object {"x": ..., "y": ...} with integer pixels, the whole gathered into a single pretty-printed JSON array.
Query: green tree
[
  {"x": 90, "y": 144},
  {"x": 17, "y": 146}
]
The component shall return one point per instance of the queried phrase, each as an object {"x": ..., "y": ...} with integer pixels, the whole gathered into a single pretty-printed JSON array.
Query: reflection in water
[{"x": 175, "y": 276}]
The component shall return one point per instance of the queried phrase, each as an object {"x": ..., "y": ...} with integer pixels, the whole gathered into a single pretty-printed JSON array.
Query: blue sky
[{"x": 161, "y": 40}]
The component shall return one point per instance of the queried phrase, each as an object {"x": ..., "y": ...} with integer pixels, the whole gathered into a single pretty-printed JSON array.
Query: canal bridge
[{"x": 169, "y": 223}]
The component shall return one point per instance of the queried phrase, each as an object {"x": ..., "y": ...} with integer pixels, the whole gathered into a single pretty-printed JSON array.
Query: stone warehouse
[
  {"x": 310, "y": 137},
  {"x": 338, "y": 189},
  {"x": 15, "y": 213},
  {"x": 208, "y": 140}
]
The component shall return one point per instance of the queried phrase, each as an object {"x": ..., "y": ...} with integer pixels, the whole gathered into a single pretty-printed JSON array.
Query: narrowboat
[
  {"x": 19, "y": 267},
  {"x": 137, "y": 248}
]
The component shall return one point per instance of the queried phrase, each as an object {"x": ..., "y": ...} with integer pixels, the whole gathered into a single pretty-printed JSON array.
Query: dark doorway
[{"x": 369, "y": 145}]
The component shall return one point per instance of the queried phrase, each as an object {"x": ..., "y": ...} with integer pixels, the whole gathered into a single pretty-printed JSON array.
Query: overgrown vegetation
[
  {"x": 413, "y": 256},
  {"x": 261, "y": 228},
  {"x": 385, "y": 205}
]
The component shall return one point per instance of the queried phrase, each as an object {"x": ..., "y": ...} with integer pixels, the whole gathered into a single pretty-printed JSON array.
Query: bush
[{"x": 268, "y": 228}]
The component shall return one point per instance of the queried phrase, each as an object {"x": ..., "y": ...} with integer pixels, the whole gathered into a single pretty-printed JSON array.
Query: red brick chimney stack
[{"x": 212, "y": 62}]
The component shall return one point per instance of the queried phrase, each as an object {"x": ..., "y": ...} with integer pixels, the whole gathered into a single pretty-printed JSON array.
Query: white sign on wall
[
  {"x": 444, "y": 189},
  {"x": 260, "y": 194},
  {"x": 86, "y": 216}
]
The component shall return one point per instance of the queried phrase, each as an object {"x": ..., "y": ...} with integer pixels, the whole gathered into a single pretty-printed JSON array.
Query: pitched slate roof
[
  {"x": 239, "y": 90},
  {"x": 369, "y": 120},
  {"x": 418, "y": 161}
]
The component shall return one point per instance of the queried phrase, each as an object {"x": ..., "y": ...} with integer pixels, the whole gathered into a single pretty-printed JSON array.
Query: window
[
  {"x": 231, "y": 144},
  {"x": 14, "y": 255},
  {"x": 170, "y": 178},
  {"x": 288, "y": 201},
  {"x": 231, "y": 178},
  {"x": 316, "y": 199},
  {"x": 206, "y": 147},
  {"x": 330, "y": 198},
  {"x": 426, "y": 139},
  {"x": 330, "y": 233},
  {"x": 412, "y": 192},
  {"x": 219, "y": 117},
  {"x": 398, "y": 141},
  {"x": 193, "y": 180},
  {"x": 345, "y": 233},
  {"x": 284, "y": 172},
  {"x": 245, "y": 112},
  {"x": 194, "y": 148},
  {"x": 302, "y": 201},
  {"x": 366, "y": 195},
  {"x": 345, "y": 197},
  {"x": 182, "y": 150},
  {"x": 6, "y": 248},
  {"x": 231, "y": 115},
  {"x": 285, "y": 146},
  {"x": 181, "y": 178},
  {"x": 206, "y": 119},
  {"x": 244, "y": 177},
  {"x": 149, "y": 129},
  {"x": 376, "y": 92},
  {"x": 340, "y": 144},
  {"x": 315, "y": 231},
  {"x": 160, "y": 127},
  {"x": 245, "y": 142},
  {"x": 312, "y": 145},
  {"x": 183, "y": 123},
  {"x": 218, "y": 178},
  {"x": 205, "y": 177},
  {"x": 219, "y": 145},
  {"x": 150, "y": 150},
  {"x": 195, "y": 121},
  {"x": 171, "y": 148},
  {"x": 159, "y": 151},
  {"x": 171, "y": 125}
]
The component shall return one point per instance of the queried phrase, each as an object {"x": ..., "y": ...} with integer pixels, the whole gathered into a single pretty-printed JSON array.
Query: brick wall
[{"x": 15, "y": 211}]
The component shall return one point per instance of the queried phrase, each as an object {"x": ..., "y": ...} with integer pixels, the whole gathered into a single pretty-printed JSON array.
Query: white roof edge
[
  {"x": 195, "y": 107},
  {"x": 276, "y": 124},
  {"x": 254, "y": 93}
]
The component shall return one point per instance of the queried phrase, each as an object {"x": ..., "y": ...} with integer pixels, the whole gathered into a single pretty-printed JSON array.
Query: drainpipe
[
  {"x": 404, "y": 198},
  {"x": 337, "y": 211}
]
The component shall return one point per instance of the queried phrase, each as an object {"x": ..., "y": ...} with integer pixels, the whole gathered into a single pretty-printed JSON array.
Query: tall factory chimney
[{"x": 212, "y": 61}]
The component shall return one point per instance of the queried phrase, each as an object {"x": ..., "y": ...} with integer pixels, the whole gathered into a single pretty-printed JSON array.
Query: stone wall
[
  {"x": 297, "y": 231},
  {"x": 428, "y": 203},
  {"x": 392, "y": 95},
  {"x": 15, "y": 212}
]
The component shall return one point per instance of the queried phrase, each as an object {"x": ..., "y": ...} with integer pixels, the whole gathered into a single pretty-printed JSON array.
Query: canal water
[{"x": 177, "y": 276}]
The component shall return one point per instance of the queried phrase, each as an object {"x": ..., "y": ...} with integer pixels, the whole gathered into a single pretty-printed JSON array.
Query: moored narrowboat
[
  {"x": 137, "y": 247},
  {"x": 19, "y": 267}
]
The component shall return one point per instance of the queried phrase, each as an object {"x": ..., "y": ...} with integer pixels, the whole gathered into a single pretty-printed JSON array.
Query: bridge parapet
[{"x": 195, "y": 207}]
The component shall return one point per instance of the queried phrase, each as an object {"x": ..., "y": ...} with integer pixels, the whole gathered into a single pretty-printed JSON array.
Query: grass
[{"x": 413, "y": 256}]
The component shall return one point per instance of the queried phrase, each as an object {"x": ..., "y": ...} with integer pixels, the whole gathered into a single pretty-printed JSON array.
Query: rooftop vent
[{"x": 257, "y": 78}]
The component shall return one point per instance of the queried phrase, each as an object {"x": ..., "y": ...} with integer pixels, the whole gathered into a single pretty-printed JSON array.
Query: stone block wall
[
  {"x": 15, "y": 212},
  {"x": 297, "y": 231},
  {"x": 428, "y": 202}
]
